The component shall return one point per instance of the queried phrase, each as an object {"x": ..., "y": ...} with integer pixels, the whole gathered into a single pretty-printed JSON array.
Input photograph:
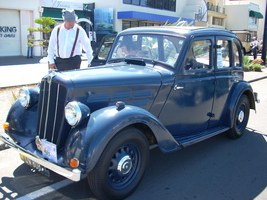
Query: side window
[
  {"x": 149, "y": 47},
  {"x": 198, "y": 57},
  {"x": 105, "y": 48},
  {"x": 223, "y": 54},
  {"x": 171, "y": 48},
  {"x": 237, "y": 58}
]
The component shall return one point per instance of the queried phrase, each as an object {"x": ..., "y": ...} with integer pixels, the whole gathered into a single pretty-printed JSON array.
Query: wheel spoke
[{"x": 124, "y": 165}]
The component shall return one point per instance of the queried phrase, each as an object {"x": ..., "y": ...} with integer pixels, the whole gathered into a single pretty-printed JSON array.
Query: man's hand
[{"x": 52, "y": 66}]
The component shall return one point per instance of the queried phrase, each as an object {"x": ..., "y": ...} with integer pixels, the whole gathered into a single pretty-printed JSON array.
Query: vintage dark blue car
[{"x": 165, "y": 86}]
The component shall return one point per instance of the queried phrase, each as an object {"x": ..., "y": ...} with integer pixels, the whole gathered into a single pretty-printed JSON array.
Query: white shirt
[
  {"x": 66, "y": 40},
  {"x": 254, "y": 43}
]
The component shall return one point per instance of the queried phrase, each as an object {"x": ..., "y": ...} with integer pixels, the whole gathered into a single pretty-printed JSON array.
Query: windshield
[{"x": 161, "y": 48}]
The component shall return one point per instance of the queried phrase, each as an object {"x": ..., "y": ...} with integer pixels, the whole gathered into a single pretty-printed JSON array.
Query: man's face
[{"x": 69, "y": 24}]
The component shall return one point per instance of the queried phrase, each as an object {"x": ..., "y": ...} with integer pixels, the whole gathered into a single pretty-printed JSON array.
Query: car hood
[
  {"x": 113, "y": 75},
  {"x": 103, "y": 86}
]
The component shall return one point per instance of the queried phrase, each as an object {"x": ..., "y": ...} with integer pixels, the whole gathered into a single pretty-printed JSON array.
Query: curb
[{"x": 257, "y": 79}]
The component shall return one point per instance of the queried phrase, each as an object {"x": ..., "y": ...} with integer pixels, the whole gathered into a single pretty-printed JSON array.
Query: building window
[
  {"x": 173, "y": 5},
  {"x": 158, "y": 4},
  {"x": 253, "y": 20},
  {"x": 217, "y": 21},
  {"x": 143, "y": 3},
  {"x": 129, "y": 24},
  {"x": 166, "y": 5},
  {"x": 142, "y": 24},
  {"x": 136, "y": 2}
]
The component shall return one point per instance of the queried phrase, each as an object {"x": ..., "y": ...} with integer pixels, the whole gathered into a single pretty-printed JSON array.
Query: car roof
[{"x": 180, "y": 30}]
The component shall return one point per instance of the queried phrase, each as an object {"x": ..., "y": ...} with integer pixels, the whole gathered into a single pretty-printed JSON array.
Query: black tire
[
  {"x": 241, "y": 117},
  {"x": 121, "y": 166}
]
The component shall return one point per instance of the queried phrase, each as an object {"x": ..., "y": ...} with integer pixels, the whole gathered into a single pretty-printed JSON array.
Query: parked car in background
[
  {"x": 245, "y": 38},
  {"x": 166, "y": 86}
]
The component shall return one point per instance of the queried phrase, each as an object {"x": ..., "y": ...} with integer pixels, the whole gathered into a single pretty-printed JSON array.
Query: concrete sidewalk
[{"x": 19, "y": 71}]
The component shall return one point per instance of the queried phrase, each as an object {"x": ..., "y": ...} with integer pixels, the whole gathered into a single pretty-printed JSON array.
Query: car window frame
[
  {"x": 211, "y": 57},
  {"x": 240, "y": 52},
  {"x": 231, "y": 57}
]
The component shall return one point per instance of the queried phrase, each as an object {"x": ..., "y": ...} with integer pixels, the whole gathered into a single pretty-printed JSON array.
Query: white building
[
  {"x": 117, "y": 15},
  {"x": 216, "y": 14},
  {"x": 245, "y": 15},
  {"x": 16, "y": 17}
]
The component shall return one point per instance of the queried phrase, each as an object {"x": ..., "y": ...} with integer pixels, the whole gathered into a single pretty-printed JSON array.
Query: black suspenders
[{"x": 74, "y": 44}]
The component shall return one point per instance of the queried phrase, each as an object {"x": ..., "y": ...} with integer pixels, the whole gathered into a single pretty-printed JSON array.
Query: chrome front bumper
[{"x": 74, "y": 175}]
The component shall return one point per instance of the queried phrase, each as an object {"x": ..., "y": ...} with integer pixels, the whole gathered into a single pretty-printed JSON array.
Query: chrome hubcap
[
  {"x": 241, "y": 116},
  {"x": 125, "y": 165}
]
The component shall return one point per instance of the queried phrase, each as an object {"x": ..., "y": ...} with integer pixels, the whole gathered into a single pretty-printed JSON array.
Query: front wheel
[
  {"x": 241, "y": 117},
  {"x": 121, "y": 165}
]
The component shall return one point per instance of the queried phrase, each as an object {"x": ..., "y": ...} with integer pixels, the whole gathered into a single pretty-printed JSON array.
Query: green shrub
[
  {"x": 246, "y": 68},
  {"x": 246, "y": 60},
  {"x": 257, "y": 67},
  {"x": 251, "y": 67}
]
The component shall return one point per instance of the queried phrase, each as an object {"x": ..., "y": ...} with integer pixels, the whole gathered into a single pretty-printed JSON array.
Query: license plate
[
  {"x": 31, "y": 163},
  {"x": 35, "y": 166},
  {"x": 49, "y": 151}
]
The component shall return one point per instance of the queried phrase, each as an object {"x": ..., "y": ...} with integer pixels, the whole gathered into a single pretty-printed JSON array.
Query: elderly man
[
  {"x": 254, "y": 47},
  {"x": 66, "y": 44}
]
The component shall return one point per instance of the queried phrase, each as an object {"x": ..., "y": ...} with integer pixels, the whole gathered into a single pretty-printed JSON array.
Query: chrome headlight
[
  {"x": 76, "y": 112},
  {"x": 28, "y": 96},
  {"x": 24, "y": 97}
]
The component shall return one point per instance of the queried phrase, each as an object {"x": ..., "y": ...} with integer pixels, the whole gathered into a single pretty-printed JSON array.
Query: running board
[{"x": 187, "y": 140}]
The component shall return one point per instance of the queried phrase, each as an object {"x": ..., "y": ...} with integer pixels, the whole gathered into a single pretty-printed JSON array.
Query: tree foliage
[
  {"x": 179, "y": 22},
  {"x": 46, "y": 22}
]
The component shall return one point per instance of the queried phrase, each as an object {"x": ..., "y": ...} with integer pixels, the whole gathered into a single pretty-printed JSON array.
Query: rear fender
[{"x": 240, "y": 89}]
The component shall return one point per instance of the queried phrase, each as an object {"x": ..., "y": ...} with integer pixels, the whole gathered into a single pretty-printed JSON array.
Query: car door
[
  {"x": 100, "y": 57},
  {"x": 228, "y": 71},
  {"x": 188, "y": 107}
]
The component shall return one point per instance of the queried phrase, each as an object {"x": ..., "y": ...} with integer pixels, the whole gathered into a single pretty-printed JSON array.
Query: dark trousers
[
  {"x": 29, "y": 52},
  {"x": 64, "y": 64},
  {"x": 254, "y": 52}
]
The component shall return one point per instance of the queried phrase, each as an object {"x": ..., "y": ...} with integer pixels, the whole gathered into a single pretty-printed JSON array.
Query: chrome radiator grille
[{"x": 51, "y": 123}]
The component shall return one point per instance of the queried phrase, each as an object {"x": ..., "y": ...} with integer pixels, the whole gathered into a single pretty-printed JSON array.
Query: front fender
[
  {"x": 241, "y": 88},
  {"x": 105, "y": 123},
  {"x": 22, "y": 122}
]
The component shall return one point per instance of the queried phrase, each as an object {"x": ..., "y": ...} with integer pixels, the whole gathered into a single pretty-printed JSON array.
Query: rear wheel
[
  {"x": 121, "y": 165},
  {"x": 241, "y": 117}
]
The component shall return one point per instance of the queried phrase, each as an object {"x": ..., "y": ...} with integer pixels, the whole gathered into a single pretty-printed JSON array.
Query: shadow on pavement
[
  {"x": 19, "y": 60},
  {"x": 217, "y": 168}
]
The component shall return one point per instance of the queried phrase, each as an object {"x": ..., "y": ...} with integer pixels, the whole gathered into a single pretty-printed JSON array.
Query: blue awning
[{"x": 149, "y": 17}]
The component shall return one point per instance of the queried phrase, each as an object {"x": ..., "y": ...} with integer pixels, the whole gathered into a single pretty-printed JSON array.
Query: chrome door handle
[{"x": 176, "y": 87}]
